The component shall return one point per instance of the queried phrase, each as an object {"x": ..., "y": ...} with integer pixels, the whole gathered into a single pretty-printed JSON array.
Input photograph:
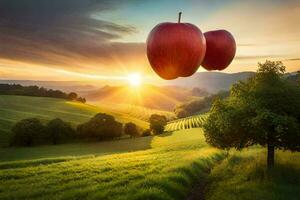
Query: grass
[
  {"x": 167, "y": 170},
  {"x": 243, "y": 176},
  {"x": 15, "y": 108}
]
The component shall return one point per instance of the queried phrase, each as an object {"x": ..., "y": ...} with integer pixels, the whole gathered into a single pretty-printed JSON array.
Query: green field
[
  {"x": 155, "y": 167},
  {"x": 167, "y": 170},
  {"x": 15, "y": 108},
  {"x": 168, "y": 166}
]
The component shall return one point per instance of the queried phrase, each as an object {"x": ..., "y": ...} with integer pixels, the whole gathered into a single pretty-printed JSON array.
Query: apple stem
[{"x": 179, "y": 16}]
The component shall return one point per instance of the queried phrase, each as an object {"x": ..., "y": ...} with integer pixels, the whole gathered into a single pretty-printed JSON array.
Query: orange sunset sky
[{"x": 94, "y": 39}]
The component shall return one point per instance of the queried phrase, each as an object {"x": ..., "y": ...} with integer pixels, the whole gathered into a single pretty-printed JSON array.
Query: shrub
[
  {"x": 101, "y": 126},
  {"x": 131, "y": 129},
  {"x": 28, "y": 132},
  {"x": 157, "y": 123},
  {"x": 146, "y": 132},
  {"x": 59, "y": 131}
]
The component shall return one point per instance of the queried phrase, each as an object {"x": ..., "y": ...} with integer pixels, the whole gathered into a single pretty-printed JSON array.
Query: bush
[
  {"x": 146, "y": 132},
  {"x": 28, "y": 132},
  {"x": 59, "y": 131},
  {"x": 157, "y": 123},
  {"x": 131, "y": 129},
  {"x": 100, "y": 127}
]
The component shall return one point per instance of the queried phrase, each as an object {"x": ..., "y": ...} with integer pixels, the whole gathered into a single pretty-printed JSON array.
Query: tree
[
  {"x": 263, "y": 110},
  {"x": 157, "y": 123},
  {"x": 131, "y": 129},
  {"x": 28, "y": 132},
  {"x": 101, "y": 126},
  {"x": 81, "y": 99},
  {"x": 72, "y": 96},
  {"x": 59, "y": 131}
]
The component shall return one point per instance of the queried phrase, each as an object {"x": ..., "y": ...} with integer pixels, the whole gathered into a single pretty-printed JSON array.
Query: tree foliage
[
  {"x": 59, "y": 131},
  {"x": 28, "y": 132},
  {"x": 16, "y": 89},
  {"x": 263, "y": 110},
  {"x": 102, "y": 126},
  {"x": 131, "y": 129},
  {"x": 157, "y": 123}
]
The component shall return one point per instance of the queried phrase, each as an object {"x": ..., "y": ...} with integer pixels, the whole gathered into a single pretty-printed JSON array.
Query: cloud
[
  {"x": 62, "y": 32},
  {"x": 255, "y": 57}
]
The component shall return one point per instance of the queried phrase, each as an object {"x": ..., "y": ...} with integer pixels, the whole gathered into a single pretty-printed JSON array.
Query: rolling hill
[
  {"x": 166, "y": 169},
  {"x": 150, "y": 96},
  {"x": 211, "y": 81},
  {"x": 15, "y": 108},
  {"x": 169, "y": 166}
]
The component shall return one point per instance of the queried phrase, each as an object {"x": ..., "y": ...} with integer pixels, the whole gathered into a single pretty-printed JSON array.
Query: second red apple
[{"x": 220, "y": 50}]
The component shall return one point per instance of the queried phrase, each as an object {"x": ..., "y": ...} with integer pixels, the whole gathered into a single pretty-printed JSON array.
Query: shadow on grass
[{"x": 75, "y": 149}]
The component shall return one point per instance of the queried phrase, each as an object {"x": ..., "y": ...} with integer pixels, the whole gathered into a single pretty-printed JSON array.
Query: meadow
[
  {"x": 168, "y": 166},
  {"x": 166, "y": 170},
  {"x": 15, "y": 108}
]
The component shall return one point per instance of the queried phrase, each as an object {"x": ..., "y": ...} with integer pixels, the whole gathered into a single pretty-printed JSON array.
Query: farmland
[
  {"x": 15, "y": 108},
  {"x": 195, "y": 121}
]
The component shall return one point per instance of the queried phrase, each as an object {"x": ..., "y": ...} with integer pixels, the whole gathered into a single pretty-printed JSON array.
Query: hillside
[
  {"x": 211, "y": 81},
  {"x": 15, "y": 108},
  {"x": 170, "y": 166},
  {"x": 167, "y": 170},
  {"x": 150, "y": 96}
]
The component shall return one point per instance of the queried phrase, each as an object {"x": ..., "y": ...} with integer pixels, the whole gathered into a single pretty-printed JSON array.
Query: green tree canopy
[
  {"x": 157, "y": 123},
  {"x": 101, "y": 126},
  {"x": 28, "y": 132},
  {"x": 59, "y": 131},
  {"x": 131, "y": 129},
  {"x": 263, "y": 110}
]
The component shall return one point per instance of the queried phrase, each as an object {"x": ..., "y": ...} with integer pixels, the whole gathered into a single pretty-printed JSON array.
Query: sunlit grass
[
  {"x": 167, "y": 170},
  {"x": 243, "y": 175},
  {"x": 15, "y": 108}
]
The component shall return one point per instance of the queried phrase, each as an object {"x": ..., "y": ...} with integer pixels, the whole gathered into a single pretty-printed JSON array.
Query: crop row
[{"x": 186, "y": 123}]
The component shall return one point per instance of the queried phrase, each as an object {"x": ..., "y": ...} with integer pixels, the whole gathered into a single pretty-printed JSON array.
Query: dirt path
[
  {"x": 200, "y": 188},
  {"x": 198, "y": 191}
]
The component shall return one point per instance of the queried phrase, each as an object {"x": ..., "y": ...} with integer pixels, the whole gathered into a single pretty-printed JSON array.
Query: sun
[{"x": 134, "y": 79}]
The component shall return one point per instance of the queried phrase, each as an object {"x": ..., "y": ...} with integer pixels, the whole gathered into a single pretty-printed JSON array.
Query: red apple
[
  {"x": 175, "y": 49},
  {"x": 220, "y": 50}
]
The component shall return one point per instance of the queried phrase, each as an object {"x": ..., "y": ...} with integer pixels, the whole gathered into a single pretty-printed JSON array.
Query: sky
[{"x": 105, "y": 39}]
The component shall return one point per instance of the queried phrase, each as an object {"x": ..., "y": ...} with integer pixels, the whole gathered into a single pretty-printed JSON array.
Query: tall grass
[{"x": 243, "y": 176}]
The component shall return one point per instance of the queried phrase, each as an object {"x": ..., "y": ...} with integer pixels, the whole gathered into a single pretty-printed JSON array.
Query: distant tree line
[
  {"x": 199, "y": 105},
  {"x": 31, "y": 131},
  {"x": 17, "y": 89}
]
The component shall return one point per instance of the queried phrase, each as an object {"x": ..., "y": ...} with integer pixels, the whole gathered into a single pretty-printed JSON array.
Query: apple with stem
[
  {"x": 175, "y": 49},
  {"x": 220, "y": 50}
]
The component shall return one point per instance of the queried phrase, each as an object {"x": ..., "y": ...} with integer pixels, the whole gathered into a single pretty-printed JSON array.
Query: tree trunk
[{"x": 271, "y": 153}]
